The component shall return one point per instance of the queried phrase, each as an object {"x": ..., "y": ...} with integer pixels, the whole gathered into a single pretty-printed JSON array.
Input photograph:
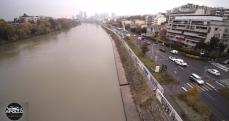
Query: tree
[
  {"x": 7, "y": 31},
  {"x": 144, "y": 49},
  {"x": 138, "y": 29},
  {"x": 202, "y": 45},
  {"x": 162, "y": 34},
  {"x": 222, "y": 47},
  {"x": 127, "y": 26},
  {"x": 195, "y": 91},
  {"x": 53, "y": 24},
  {"x": 143, "y": 30},
  {"x": 213, "y": 43}
]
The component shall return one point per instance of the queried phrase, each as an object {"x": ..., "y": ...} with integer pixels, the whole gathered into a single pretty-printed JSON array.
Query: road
[{"x": 209, "y": 91}]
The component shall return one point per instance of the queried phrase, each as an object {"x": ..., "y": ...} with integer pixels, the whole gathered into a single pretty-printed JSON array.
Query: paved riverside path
[{"x": 128, "y": 102}]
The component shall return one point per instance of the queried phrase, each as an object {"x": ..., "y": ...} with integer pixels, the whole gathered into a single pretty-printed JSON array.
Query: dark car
[{"x": 162, "y": 49}]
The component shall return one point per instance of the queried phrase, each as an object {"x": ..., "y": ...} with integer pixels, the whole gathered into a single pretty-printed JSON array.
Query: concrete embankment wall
[{"x": 128, "y": 102}]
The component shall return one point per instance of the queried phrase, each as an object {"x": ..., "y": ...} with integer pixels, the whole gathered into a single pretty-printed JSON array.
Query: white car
[
  {"x": 172, "y": 58},
  {"x": 174, "y": 51},
  {"x": 180, "y": 62},
  {"x": 196, "y": 78},
  {"x": 214, "y": 72}
]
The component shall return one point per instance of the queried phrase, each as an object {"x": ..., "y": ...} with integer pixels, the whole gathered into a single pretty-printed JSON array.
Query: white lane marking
[
  {"x": 201, "y": 88},
  {"x": 220, "y": 84},
  {"x": 205, "y": 88},
  {"x": 189, "y": 85},
  {"x": 184, "y": 89},
  {"x": 220, "y": 66},
  {"x": 193, "y": 84},
  {"x": 210, "y": 85}
]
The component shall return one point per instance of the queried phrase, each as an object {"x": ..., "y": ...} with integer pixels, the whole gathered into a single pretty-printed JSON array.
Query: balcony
[
  {"x": 225, "y": 36},
  {"x": 180, "y": 27},
  {"x": 190, "y": 44},
  {"x": 194, "y": 35},
  {"x": 175, "y": 31},
  {"x": 201, "y": 30}
]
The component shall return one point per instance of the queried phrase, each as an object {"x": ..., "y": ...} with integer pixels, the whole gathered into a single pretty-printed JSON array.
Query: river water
[{"x": 63, "y": 76}]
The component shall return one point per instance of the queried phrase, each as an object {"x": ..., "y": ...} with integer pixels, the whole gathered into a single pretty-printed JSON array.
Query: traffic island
[{"x": 191, "y": 106}]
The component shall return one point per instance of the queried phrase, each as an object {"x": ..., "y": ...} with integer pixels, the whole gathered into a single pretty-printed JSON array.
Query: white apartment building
[
  {"x": 158, "y": 19},
  {"x": 189, "y": 30},
  {"x": 139, "y": 22},
  {"x": 29, "y": 18},
  {"x": 153, "y": 23}
]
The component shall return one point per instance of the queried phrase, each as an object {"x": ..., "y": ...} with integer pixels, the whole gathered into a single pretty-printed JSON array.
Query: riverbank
[
  {"x": 128, "y": 102},
  {"x": 11, "y": 32},
  {"x": 144, "y": 99}
]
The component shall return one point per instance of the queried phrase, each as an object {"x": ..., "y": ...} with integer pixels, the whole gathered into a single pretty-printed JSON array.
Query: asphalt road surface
[{"x": 209, "y": 91}]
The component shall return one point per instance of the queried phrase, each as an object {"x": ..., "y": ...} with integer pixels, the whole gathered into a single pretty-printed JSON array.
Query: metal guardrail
[{"x": 154, "y": 83}]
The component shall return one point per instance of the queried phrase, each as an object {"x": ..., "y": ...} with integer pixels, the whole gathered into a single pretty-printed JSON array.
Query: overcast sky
[{"x": 10, "y": 9}]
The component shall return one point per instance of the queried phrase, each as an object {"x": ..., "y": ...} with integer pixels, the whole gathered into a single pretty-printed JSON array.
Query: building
[
  {"x": 154, "y": 22},
  {"x": 221, "y": 12},
  {"x": 191, "y": 24},
  {"x": 139, "y": 22},
  {"x": 27, "y": 18},
  {"x": 32, "y": 19},
  {"x": 188, "y": 30}
]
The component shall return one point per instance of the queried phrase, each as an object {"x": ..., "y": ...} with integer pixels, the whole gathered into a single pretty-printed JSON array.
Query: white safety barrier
[{"x": 152, "y": 81}]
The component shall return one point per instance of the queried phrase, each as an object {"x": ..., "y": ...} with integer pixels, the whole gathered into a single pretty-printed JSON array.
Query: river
[{"x": 63, "y": 76}]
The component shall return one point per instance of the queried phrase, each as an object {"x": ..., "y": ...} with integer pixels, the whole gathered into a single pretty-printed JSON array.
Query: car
[
  {"x": 174, "y": 51},
  {"x": 202, "y": 52},
  {"x": 128, "y": 35},
  {"x": 180, "y": 62},
  {"x": 162, "y": 49},
  {"x": 213, "y": 72},
  {"x": 225, "y": 62},
  {"x": 172, "y": 58},
  {"x": 147, "y": 42},
  {"x": 196, "y": 78}
]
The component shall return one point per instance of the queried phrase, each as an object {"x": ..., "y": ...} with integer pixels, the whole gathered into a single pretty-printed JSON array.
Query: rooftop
[{"x": 211, "y": 18}]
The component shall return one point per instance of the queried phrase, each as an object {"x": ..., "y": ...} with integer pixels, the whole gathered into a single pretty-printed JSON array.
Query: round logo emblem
[{"x": 14, "y": 111}]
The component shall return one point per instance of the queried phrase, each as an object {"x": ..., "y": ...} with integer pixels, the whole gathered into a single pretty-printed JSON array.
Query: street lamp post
[{"x": 205, "y": 70}]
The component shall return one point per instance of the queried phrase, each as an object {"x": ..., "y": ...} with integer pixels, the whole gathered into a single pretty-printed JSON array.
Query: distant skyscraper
[
  {"x": 85, "y": 15},
  {"x": 113, "y": 15}
]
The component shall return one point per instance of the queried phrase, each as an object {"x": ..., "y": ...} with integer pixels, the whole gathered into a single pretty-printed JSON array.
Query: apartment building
[
  {"x": 192, "y": 29},
  {"x": 153, "y": 23},
  {"x": 221, "y": 12},
  {"x": 192, "y": 24}
]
